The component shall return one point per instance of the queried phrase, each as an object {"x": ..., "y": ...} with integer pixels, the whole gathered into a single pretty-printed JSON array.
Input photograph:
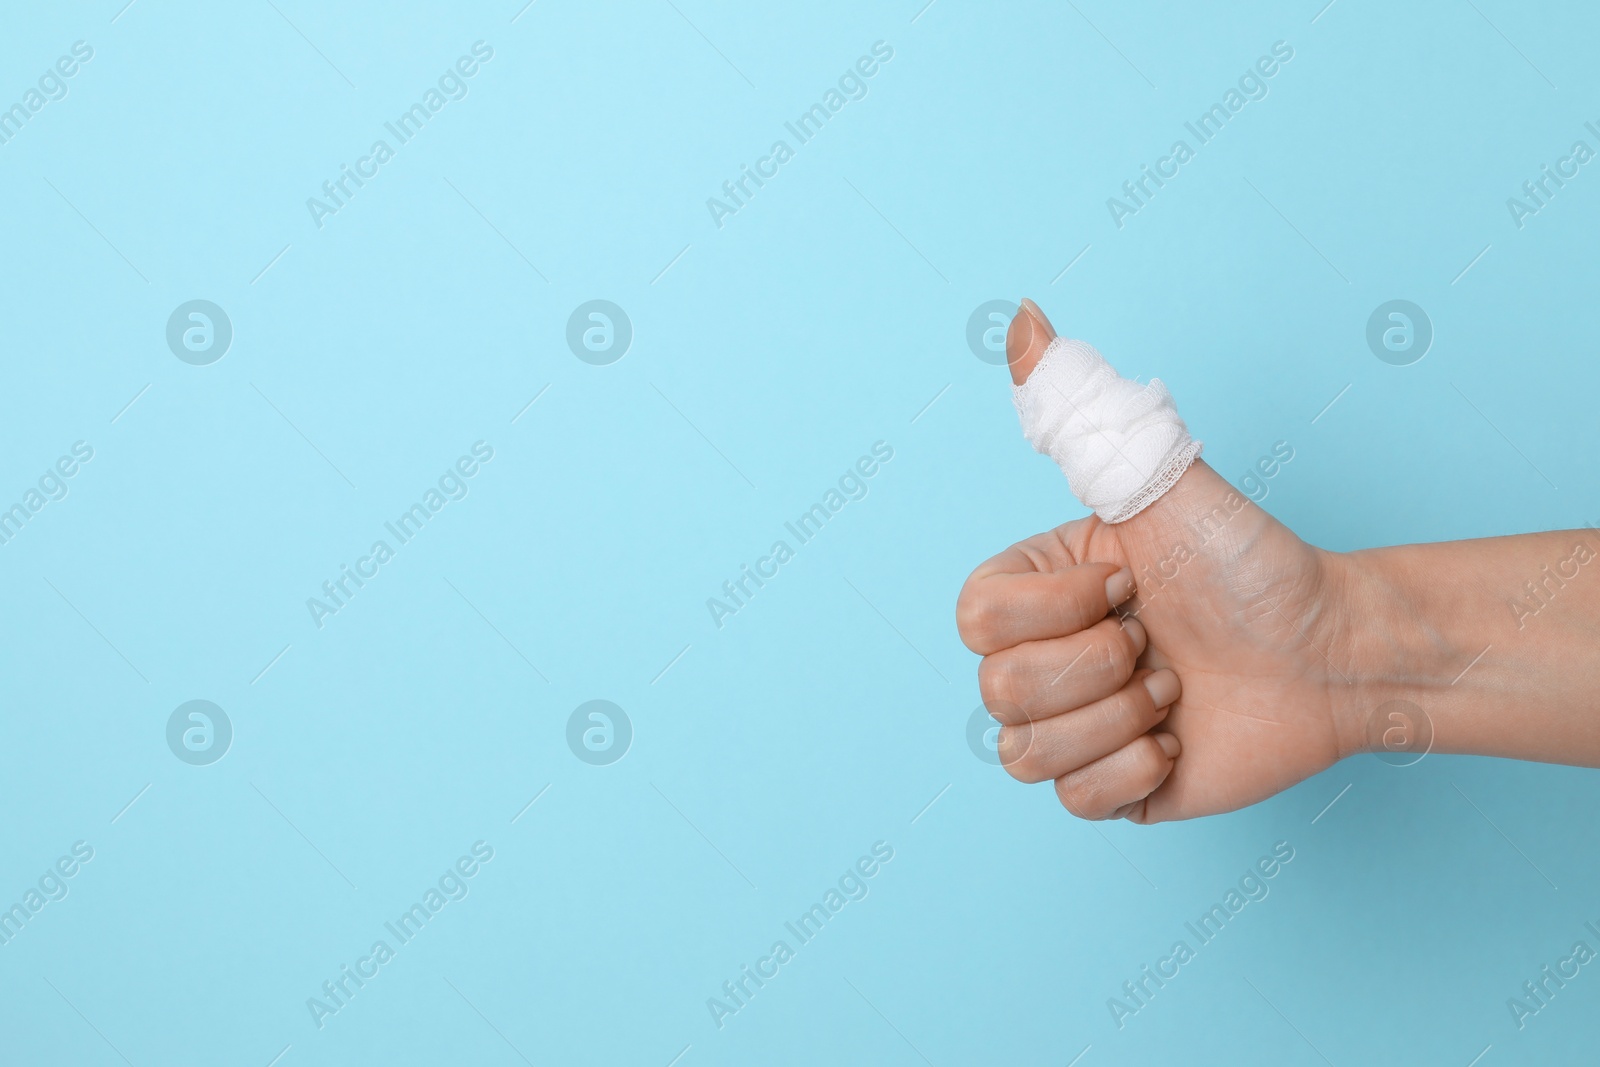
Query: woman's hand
[
  {"x": 1200, "y": 657},
  {"x": 1226, "y": 678}
]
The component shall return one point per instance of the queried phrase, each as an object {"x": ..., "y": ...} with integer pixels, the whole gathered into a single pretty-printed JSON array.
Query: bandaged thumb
[{"x": 1120, "y": 444}]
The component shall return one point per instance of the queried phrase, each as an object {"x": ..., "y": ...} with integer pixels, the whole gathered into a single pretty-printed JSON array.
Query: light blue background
[{"x": 768, "y": 355}]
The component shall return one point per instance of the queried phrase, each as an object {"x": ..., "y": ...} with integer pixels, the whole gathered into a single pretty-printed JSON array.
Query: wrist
[
  {"x": 1487, "y": 647},
  {"x": 1397, "y": 653}
]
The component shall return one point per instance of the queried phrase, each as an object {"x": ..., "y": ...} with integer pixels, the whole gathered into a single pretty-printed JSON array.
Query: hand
[{"x": 1226, "y": 678}]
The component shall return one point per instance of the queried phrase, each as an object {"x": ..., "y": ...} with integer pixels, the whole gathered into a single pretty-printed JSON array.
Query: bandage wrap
[{"x": 1120, "y": 444}]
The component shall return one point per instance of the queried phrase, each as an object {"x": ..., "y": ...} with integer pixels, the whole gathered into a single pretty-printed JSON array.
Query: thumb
[
  {"x": 1121, "y": 444},
  {"x": 1027, "y": 338}
]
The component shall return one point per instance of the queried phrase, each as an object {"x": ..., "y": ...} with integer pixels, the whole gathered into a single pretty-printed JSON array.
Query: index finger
[{"x": 1007, "y": 601}]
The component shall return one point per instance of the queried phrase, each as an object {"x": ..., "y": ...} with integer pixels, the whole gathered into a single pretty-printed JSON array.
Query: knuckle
[
  {"x": 1078, "y": 604},
  {"x": 1111, "y": 656},
  {"x": 1135, "y": 707},
  {"x": 1108, "y": 660},
  {"x": 1067, "y": 793},
  {"x": 1005, "y": 682},
  {"x": 1131, "y": 637},
  {"x": 1015, "y": 757},
  {"x": 1017, "y": 754},
  {"x": 976, "y": 620},
  {"x": 1120, "y": 653},
  {"x": 995, "y": 683},
  {"x": 1152, "y": 764},
  {"x": 1079, "y": 798}
]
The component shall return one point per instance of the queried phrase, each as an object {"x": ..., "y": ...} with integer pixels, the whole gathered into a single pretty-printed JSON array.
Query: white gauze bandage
[{"x": 1120, "y": 444}]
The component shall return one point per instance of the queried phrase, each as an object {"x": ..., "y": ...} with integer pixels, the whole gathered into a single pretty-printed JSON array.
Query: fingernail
[
  {"x": 1164, "y": 689},
  {"x": 1119, "y": 587},
  {"x": 1136, "y": 633},
  {"x": 1027, "y": 338},
  {"x": 1037, "y": 314},
  {"x": 1169, "y": 744}
]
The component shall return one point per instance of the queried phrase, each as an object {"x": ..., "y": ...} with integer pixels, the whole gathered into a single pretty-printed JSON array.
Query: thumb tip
[{"x": 1027, "y": 338}]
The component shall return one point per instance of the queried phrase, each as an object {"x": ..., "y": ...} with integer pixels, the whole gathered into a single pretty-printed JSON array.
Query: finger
[
  {"x": 1028, "y": 336},
  {"x": 1038, "y": 679},
  {"x": 997, "y": 610},
  {"x": 1052, "y": 748},
  {"x": 1126, "y": 776},
  {"x": 1055, "y": 549}
]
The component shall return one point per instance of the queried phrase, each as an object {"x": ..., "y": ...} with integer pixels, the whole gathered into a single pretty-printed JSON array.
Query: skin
[{"x": 1200, "y": 657}]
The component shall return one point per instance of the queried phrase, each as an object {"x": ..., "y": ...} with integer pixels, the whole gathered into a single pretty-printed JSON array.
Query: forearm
[{"x": 1496, "y": 641}]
